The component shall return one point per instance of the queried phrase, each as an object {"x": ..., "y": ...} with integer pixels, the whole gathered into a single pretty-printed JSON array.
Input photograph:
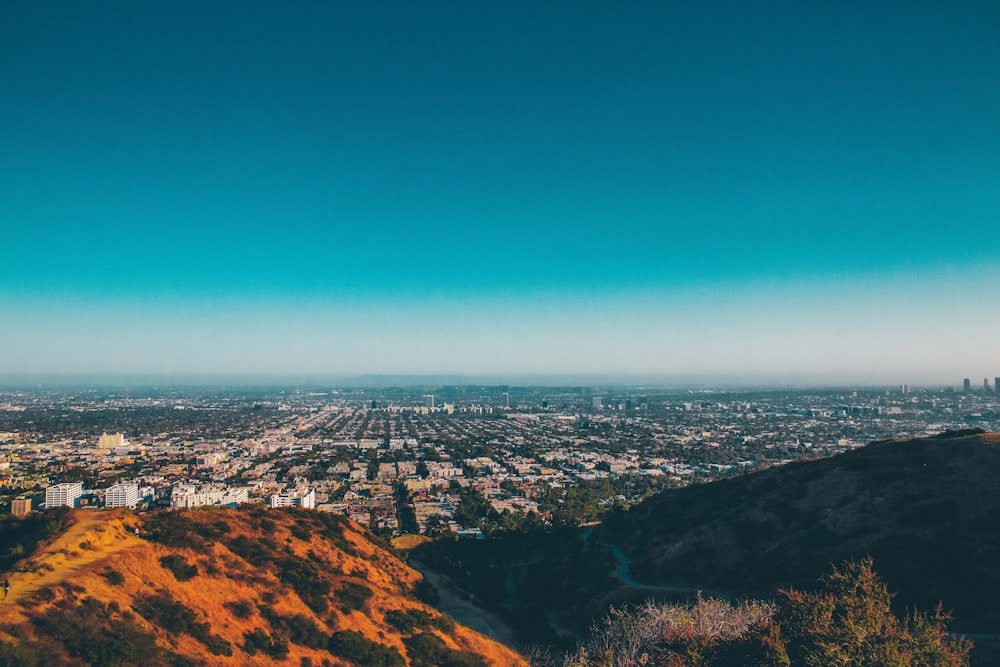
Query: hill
[
  {"x": 225, "y": 587},
  {"x": 926, "y": 510}
]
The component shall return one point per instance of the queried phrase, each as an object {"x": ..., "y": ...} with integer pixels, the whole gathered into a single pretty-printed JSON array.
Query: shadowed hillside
[
  {"x": 246, "y": 586},
  {"x": 927, "y": 510}
]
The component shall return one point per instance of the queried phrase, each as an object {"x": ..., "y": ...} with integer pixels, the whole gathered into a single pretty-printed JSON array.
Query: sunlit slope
[{"x": 246, "y": 586}]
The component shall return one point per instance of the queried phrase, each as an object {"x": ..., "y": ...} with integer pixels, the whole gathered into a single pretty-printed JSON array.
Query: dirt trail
[
  {"x": 466, "y": 611},
  {"x": 67, "y": 557}
]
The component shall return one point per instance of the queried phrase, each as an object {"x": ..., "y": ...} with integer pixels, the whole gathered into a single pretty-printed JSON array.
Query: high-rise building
[
  {"x": 596, "y": 402},
  {"x": 506, "y": 400},
  {"x": 66, "y": 494},
  {"x": 967, "y": 384},
  {"x": 986, "y": 385},
  {"x": 996, "y": 385},
  {"x": 428, "y": 400}
]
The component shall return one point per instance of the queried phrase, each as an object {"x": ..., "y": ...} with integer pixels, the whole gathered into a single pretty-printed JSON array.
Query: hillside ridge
[{"x": 220, "y": 587}]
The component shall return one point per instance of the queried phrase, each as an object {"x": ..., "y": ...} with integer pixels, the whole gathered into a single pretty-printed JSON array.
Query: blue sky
[{"x": 746, "y": 189}]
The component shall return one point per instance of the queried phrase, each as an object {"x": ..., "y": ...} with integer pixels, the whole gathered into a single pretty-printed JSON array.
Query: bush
[
  {"x": 301, "y": 532},
  {"x": 98, "y": 634},
  {"x": 256, "y": 552},
  {"x": 176, "y": 618},
  {"x": 258, "y": 640},
  {"x": 114, "y": 577},
  {"x": 428, "y": 650},
  {"x": 182, "y": 570},
  {"x": 353, "y": 597},
  {"x": 849, "y": 621},
  {"x": 242, "y": 609},
  {"x": 173, "y": 529},
  {"x": 299, "y": 629},
  {"x": 308, "y": 581},
  {"x": 21, "y": 535},
  {"x": 406, "y": 621},
  {"x": 356, "y": 648}
]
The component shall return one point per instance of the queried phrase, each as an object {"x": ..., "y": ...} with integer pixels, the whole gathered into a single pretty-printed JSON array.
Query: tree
[{"x": 849, "y": 621}]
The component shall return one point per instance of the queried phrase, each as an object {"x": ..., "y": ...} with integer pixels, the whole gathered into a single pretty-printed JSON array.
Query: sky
[{"x": 728, "y": 189}]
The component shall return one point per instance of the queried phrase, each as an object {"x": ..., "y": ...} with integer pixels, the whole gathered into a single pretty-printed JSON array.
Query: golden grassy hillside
[{"x": 226, "y": 587}]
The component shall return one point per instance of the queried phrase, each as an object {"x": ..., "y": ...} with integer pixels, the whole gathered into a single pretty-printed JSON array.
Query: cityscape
[
  {"x": 462, "y": 460},
  {"x": 520, "y": 334}
]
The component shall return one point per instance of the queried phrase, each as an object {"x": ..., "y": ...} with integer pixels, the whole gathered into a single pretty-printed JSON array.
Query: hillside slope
[
  {"x": 226, "y": 587},
  {"x": 927, "y": 510}
]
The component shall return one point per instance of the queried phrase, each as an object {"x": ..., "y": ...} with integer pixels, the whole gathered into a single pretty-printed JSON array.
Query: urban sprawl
[{"x": 462, "y": 460}]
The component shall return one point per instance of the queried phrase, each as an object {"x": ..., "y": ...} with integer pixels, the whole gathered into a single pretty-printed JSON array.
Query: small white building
[{"x": 306, "y": 500}]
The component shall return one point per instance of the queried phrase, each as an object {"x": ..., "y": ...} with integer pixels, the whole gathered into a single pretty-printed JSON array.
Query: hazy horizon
[{"x": 709, "y": 189}]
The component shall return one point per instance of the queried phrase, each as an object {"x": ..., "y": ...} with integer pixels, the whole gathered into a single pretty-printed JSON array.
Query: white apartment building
[
  {"x": 189, "y": 495},
  {"x": 305, "y": 500},
  {"x": 122, "y": 495},
  {"x": 63, "y": 495}
]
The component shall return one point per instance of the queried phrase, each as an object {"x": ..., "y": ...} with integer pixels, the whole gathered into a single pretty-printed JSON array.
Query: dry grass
[{"x": 225, "y": 577}]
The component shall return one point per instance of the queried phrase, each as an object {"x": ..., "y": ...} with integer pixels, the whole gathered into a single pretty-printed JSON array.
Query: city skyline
[{"x": 696, "y": 190}]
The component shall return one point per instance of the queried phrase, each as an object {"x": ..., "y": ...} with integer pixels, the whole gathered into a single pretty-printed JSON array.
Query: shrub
[
  {"x": 356, "y": 648},
  {"x": 256, "y": 552},
  {"x": 98, "y": 634},
  {"x": 444, "y": 623},
  {"x": 428, "y": 650},
  {"x": 181, "y": 569},
  {"x": 353, "y": 597},
  {"x": 299, "y": 629},
  {"x": 242, "y": 609},
  {"x": 114, "y": 577},
  {"x": 850, "y": 621},
  {"x": 173, "y": 529},
  {"x": 176, "y": 618},
  {"x": 258, "y": 640},
  {"x": 406, "y": 621},
  {"x": 300, "y": 531}
]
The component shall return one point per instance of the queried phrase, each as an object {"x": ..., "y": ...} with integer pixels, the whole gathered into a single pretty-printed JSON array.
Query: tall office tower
[
  {"x": 506, "y": 400},
  {"x": 986, "y": 385},
  {"x": 595, "y": 402},
  {"x": 428, "y": 400},
  {"x": 967, "y": 384},
  {"x": 996, "y": 385}
]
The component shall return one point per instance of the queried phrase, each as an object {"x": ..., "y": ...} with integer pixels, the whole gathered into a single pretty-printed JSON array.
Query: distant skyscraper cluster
[{"x": 967, "y": 385}]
